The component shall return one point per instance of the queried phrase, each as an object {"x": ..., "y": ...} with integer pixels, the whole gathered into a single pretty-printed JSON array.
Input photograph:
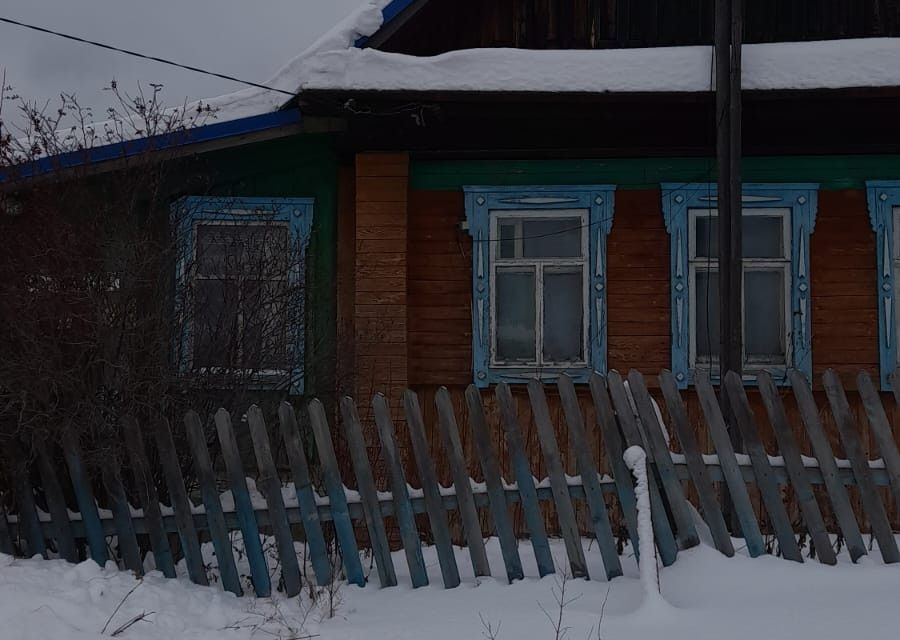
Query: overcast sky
[{"x": 249, "y": 39}]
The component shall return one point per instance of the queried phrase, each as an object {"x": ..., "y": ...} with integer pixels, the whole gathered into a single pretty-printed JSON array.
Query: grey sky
[{"x": 249, "y": 39}]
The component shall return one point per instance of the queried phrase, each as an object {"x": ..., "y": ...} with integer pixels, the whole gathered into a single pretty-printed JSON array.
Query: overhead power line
[{"x": 144, "y": 56}]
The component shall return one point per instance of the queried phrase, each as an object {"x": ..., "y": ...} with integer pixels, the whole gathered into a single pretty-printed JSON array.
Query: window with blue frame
[
  {"x": 240, "y": 277},
  {"x": 884, "y": 213},
  {"x": 777, "y": 222},
  {"x": 539, "y": 280}
]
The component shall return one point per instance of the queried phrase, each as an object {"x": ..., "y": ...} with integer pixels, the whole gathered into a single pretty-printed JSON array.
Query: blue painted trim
[
  {"x": 802, "y": 200},
  {"x": 599, "y": 200},
  {"x": 883, "y": 196},
  {"x": 130, "y": 148},
  {"x": 297, "y": 212},
  {"x": 388, "y": 14}
]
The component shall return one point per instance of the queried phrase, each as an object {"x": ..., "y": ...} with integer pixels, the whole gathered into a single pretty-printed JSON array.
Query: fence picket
[
  {"x": 662, "y": 528},
  {"x": 525, "y": 481},
  {"x": 365, "y": 483},
  {"x": 765, "y": 477},
  {"x": 881, "y": 430},
  {"x": 334, "y": 487},
  {"x": 403, "y": 509},
  {"x": 56, "y": 502},
  {"x": 243, "y": 505},
  {"x": 490, "y": 468},
  {"x": 878, "y": 520},
  {"x": 559, "y": 487},
  {"x": 6, "y": 543},
  {"x": 271, "y": 489},
  {"x": 837, "y": 492},
  {"x": 686, "y": 532},
  {"x": 148, "y": 498},
  {"x": 467, "y": 511},
  {"x": 589, "y": 478},
  {"x": 731, "y": 471},
  {"x": 793, "y": 463},
  {"x": 181, "y": 505},
  {"x": 709, "y": 504},
  {"x": 84, "y": 495},
  {"x": 614, "y": 451},
  {"x": 437, "y": 516},
  {"x": 215, "y": 518},
  {"x": 306, "y": 498},
  {"x": 129, "y": 550},
  {"x": 29, "y": 522}
]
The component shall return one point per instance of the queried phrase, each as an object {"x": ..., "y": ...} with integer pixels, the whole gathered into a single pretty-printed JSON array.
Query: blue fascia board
[
  {"x": 130, "y": 148},
  {"x": 388, "y": 14}
]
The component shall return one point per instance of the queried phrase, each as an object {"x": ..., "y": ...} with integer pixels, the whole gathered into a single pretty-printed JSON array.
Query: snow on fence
[{"x": 328, "y": 513}]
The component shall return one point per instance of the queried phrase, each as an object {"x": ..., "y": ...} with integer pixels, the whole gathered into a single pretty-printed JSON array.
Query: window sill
[
  {"x": 283, "y": 381},
  {"x": 524, "y": 375}
]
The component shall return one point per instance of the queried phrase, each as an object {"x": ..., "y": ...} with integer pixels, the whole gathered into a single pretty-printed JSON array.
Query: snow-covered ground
[{"x": 708, "y": 595}]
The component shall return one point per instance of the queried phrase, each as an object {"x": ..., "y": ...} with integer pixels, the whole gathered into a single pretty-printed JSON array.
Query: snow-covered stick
[{"x": 636, "y": 459}]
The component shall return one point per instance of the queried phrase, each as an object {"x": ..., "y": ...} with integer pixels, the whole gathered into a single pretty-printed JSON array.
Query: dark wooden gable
[{"x": 436, "y": 26}]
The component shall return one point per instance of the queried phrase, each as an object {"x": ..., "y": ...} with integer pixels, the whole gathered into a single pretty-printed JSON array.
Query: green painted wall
[{"x": 831, "y": 172}]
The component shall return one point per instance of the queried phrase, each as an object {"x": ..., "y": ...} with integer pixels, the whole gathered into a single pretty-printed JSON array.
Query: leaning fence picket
[
  {"x": 709, "y": 503},
  {"x": 29, "y": 522},
  {"x": 793, "y": 463},
  {"x": 490, "y": 467},
  {"x": 365, "y": 484},
  {"x": 56, "y": 502},
  {"x": 215, "y": 517},
  {"x": 881, "y": 431},
  {"x": 525, "y": 481},
  {"x": 129, "y": 550},
  {"x": 565, "y": 512},
  {"x": 466, "y": 502},
  {"x": 403, "y": 509},
  {"x": 878, "y": 520},
  {"x": 84, "y": 495},
  {"x": 584, "y": 461},
  {"x": 437, "y": 516},
  {"x": 6, "y": 543}
]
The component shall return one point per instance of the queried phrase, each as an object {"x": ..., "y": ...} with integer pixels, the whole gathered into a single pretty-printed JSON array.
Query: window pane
[
  {"x": 515, "y": 312},
  {"x": 231, "y": 250},
  {"x": 563, "y": 316},
  {"x": 264, "y": 321},
  {"x": 507, "y": 239},
  {"x": 764, "y": 321},
  {"x": 215, "y": 323},
  {"x": 706, "y": 326},
  {"x": 707, "y": 237},
  {"x": 556, "y": 238},
  {"x": 763, "y": 237}
]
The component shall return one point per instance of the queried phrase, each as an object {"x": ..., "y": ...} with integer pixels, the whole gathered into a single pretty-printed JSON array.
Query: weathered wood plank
[
  {"x": 837, "y": 492},
  {"x": 686, "y": 532},
  {"x": 243, "y": 505},
  {"x": 270, "y": 485},
  {"x": 665, "y": 538},
  {"x": 881, "y": 431},
  {"x": 609, "y": 428},
  {"x": 793, "y": 463},
  {"x": 437, "y": 516},
  {"x": 365, "y": 484},
  {"x": 403, "y": 509},
  {"x": 859, "y": 463},
  {"x": 590, "y": 479},
  {"x": 525, "y": 480},
  {"x": 147, "y": 497},
  {"x": 340, "y": 512},
  {"x": 765, "y": 477},
  {"x": 565, "y": 512},
  {"x": 215, "y": 517},
  {"x": 731, "y": 471},
  {"x": 84, "y": 495},
  {"x": 184, "y": 521},
  {"x": 29, "y": 522},
  {"x": 306, "y": 498},
  {"x": 6, "y": 543},
  {"x": 467, "y": 511},
  {"x": 709, "y": 504},
  {"x": 490, "y": 468},
  {"x": 56, "y": 501},
  {"x": 129, "y": 550}
]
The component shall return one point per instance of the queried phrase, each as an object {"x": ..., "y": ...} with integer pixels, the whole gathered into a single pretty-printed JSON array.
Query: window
[
  {"x": 884, "y": 213},
  {"x": 539, "y": 279},
  {"x": 777, "y": 221},
  {"x": 241, "y": 278}
]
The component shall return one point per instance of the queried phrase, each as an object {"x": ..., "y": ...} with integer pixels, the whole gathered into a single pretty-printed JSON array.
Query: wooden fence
[{"x": 328, "y": 513}]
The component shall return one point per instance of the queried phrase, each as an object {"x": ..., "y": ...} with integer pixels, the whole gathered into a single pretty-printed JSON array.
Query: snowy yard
[{"x": 710, "y": 596}]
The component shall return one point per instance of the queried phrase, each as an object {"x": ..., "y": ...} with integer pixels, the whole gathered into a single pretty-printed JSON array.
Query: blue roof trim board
[
  {"x": 389, "y": 13},
  {"x": 130, "y": 148}
]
